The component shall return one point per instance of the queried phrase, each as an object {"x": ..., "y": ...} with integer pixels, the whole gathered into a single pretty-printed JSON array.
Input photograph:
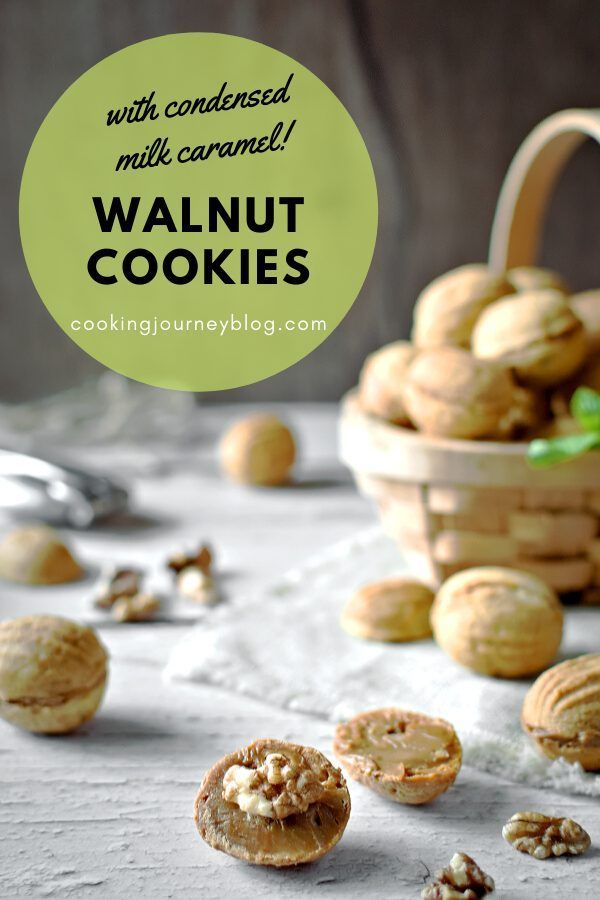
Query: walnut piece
[
  {"x": 118, "y": 583},
  {"x": 462, "y": 879},
  {"x": 543, "y": 836},
  {"x": 138, "y": 608},
  {"x": 201, "y": 559},
  {"x": 196, "y": 585},
  {"x": 276, "y": 789}
]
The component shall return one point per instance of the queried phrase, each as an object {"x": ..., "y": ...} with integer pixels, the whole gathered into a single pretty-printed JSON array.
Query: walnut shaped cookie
[
  {"x": 52, "y": 673},
  {"x": 273, "y": 803},
  {"x": 405, "y": 756},
  {"x": 561, "y": 711}
]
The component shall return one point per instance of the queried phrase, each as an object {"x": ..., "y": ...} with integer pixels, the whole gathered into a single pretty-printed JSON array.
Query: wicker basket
[{"x": 452, "y": 503}]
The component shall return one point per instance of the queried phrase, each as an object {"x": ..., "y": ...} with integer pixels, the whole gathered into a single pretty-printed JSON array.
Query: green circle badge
[{"x": 198, "y": 211}]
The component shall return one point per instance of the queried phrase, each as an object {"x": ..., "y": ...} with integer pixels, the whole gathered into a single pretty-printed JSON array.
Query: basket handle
[{"x": 529, "y": 182}]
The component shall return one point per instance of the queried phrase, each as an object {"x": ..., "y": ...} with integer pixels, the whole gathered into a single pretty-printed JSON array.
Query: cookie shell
[
  {"x": 36, "y": 554},
  {"x": 381, "y": 380},
  {"x": 561, "y": 711},
  {"x": 536, "y": 333},
  {"x": 447, "y": 392},
  {"x": 586, "y": 307},
  {"x": 533, "y": 278},
  {"x": 299, "y": 838},
  {"x": 358, "y": 745},
  {"x": 498, "y": 621},
  {"x": 258, "y": 450},
  {"x": 52, "y": 673},
  {"x": 393, "y": 609},
  {"x": 447, "y": 309}
]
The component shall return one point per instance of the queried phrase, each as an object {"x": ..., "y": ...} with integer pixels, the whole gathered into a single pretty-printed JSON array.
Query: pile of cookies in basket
[
  {"x": 452, "y": 434},
  {"x": 492, "y": 357}
]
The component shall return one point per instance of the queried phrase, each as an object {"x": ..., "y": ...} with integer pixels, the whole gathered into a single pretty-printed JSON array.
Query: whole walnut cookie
[
  {"x": 273, "y": 803},
  {"x": 498, "y": 621},
  {"x": 381, "y": 379},
  {"x": 52, "y": 673},
  {"x": 561, "y": 711},
  {"x": 536, "y": 333},
  {"x": 449, "y": 393},
  {"x": 392, "y": 609},
  {"x": 447, "y": 309},
  {"x": 405, "y": 756}
]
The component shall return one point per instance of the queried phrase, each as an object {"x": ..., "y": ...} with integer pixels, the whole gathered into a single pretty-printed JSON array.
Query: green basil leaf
[
  {"x": 585, "y": 407},
  {"x": 542, "y": 453}
]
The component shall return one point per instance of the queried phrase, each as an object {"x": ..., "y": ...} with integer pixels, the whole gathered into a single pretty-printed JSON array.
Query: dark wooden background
[{"x": 443, "y": 91}]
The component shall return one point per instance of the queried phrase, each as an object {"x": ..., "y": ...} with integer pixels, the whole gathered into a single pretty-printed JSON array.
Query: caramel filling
[{"x": 402, "y": 746}]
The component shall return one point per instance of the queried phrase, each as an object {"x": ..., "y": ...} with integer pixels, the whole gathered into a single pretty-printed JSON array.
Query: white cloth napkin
[{"x": 286, "y": 647}]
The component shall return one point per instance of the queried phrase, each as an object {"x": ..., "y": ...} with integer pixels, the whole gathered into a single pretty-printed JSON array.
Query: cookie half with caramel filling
[
  {"x": 273, "y": 804},
  {"x": 405, "y": 756}
]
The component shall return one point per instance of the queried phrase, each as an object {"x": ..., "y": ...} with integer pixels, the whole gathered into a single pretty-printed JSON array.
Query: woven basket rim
[{"x": 373, "y": 446}]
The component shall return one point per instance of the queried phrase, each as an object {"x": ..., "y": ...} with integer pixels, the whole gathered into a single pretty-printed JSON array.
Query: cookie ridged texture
[
  {"x": 537, "y": 332},
  {"x": 48, "y": 659},
  {"x": 498, "y": 621},
  {"x": 561, "y": 711},
  {"x": 381, "y": 379},
  {"x": 358, "y": 743},
  {"x": 392, "y": 609},
  {"x": 449, "y": 392},
  {"x": 298, "y": 838},
  {"x": 447, "y": 309}
]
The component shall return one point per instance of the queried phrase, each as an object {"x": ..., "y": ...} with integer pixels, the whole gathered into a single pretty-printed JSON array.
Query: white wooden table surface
[{"x": 107, "y": 812}]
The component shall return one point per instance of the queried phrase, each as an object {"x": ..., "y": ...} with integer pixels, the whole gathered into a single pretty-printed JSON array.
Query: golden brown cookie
[
  {"x": 534, "y": 278},
  {"x": 273, "y": 804},
  {"x": 586, "y": 307},
  {"x": 528, "y": 412},
  {"x": 498, "y": 621},
  {"x": 561, "y": 711},
  {"x": 447, "y": 309},
  {"x": 52, "y": 673},
  {"x": 393, "y": 609},
  {"x": 405, "y": 756},
  {"x": 36, "y": 554},
  {"x": 259, "y": 450},
  {"x": 536, "y": 333},
  {"x": 447, "y": 392},
  {"x": 381, "y": 380}
]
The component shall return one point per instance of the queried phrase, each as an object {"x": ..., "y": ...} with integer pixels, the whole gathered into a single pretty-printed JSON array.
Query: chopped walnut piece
[
  {"x": 197, "y": 586},
  {"x": 120, "y": 583},
  {"x": 543, "y": 836},
  {"x": 278, "y": 788},
  {"x": 202, "y": 559},
  {"x": 462, "y": 879},
  {"x": 138, "y": 608}
]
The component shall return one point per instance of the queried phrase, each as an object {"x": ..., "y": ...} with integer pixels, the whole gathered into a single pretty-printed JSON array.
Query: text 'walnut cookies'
[
  {"x": 393, "y": 609},
  {"x": 273, "y": 804},
  {"x": 561, "y": 711},
  {"x": 404, "y": 756},
  {"x": 52, "y": 673},
  {"x": 498, "y": 621}
]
